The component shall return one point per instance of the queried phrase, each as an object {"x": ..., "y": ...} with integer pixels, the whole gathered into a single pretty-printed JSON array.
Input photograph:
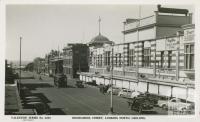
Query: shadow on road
[
  {"x": 42, "y": 97},
  {"x": 33, "y": 86},
  {"x": 70, "y": 86},
  {"x": 149, "y": 113},
  {"x": 57, "y": 111}
]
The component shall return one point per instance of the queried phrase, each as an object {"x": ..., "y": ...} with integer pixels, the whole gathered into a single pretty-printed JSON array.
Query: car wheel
[{"x": 164, "y": 107}]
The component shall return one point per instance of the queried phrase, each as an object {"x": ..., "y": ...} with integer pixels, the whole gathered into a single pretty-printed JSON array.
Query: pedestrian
[{"x": 40, "y": 78}]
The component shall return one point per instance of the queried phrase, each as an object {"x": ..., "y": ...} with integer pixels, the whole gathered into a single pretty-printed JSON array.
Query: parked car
[
  {"x": 79, "y": 84},
  {"x": 60, "y": 80},
  {"x": 125, "y": 92},
  {"x": 40, "y": 107},
  {"x": 174, "y": 104},
  {"x": 151, "y": 97},
  {"x": 135, "y": 94},
  {"x": 140, "y": 104},
  {"x": 115, "y": 90},
  {"x": 93, "y": 83}
]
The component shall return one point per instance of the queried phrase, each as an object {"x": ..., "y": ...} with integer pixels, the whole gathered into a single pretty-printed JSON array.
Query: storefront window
[{"x": 189, "y": 56}]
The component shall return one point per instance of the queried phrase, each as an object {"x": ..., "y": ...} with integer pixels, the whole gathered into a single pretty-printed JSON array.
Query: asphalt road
[{"x": 78, "y": 101}]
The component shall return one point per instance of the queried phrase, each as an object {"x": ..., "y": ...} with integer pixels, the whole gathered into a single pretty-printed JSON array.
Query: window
[
  {"x": 162, "y": 59},
  {"x": 189, "y": 56},
  {"x": 131, "y": 57},
  {"x": 116, "y": 59},
  {"x": 169, "y": 59},
  {"x": 101, "y": 60},
  {"x": 91, "y": 56},
  {"x": 98, "y": 61},
  {"x": 120, "y": 60},
  {"x": 147, "y": 57},
  {"x": 107, "y": 58}
]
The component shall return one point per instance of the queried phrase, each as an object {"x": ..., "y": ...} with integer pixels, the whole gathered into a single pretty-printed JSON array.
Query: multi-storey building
[
  {"x": 156, "y": 56},
  {"x": 55, "y": 63},
  {"x": 75, "y": 59}
]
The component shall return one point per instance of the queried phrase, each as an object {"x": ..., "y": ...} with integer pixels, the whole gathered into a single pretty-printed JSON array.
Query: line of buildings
[{"x": 156, "y": 55}]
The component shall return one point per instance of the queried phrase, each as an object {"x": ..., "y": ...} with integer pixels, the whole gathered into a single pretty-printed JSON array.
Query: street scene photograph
[{"x": 63, "y": 59}]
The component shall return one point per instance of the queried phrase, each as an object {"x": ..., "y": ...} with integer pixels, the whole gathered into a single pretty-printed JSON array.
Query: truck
[{"x": 60, "y": 80}]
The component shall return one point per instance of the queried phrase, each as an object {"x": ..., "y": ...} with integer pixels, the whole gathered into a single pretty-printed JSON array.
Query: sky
[{"x": 47, "y": 27}]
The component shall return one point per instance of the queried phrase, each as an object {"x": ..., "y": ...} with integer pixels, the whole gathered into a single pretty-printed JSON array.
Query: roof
[{"x": 100, "y": 39}]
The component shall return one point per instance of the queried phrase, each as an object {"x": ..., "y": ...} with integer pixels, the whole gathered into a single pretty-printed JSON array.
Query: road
[{"x": 77, "y": 101}]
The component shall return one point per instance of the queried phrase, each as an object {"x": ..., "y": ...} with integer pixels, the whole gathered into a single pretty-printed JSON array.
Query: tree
[{"x": 29, "y": 66}]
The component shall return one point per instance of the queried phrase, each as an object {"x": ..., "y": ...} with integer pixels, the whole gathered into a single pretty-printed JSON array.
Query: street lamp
[
  {"x": 20, "y": 65},
  {"x": 111, "y": 94}
]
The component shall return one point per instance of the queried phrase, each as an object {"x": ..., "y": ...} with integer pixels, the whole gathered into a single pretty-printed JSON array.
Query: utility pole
[
  {"x": 124, "y": 23},
  {"x": 137, "y": 56},
  {"x": 20, "y": 64},
  {"x": 177, "y": 56}
]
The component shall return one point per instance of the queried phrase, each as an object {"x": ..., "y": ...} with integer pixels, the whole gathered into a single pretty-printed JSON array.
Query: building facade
[
  {"x": 54, "y": 63},
  {"x": 75, "y": 59},
  {"x": 156, "y": 56}
]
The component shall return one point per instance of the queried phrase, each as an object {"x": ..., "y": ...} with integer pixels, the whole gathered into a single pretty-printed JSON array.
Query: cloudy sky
[{"x": 46, "y": 27}]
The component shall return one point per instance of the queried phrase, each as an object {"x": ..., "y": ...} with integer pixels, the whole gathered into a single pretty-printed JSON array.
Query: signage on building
[
  {"x": 160, "y": 45},
  {"x": 171, "y": 44},
  {"x": 166, "y": 44},
  {"x": 189, "y": 35}
]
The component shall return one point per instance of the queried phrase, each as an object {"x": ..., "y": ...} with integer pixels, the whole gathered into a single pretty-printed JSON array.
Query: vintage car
[
  {"x": 140, "y": 104},
  {"x": 134, "y": 94},
  {"x": 79, "y": 84},
  {"x": 93, "y": 83},
  {"x": 174, "y": 104},
  {"x": 125, "y": 92},
  {"x": 115, "y": 90},
  {"x": 60, "y": 80},
  {"x": 153, "y": 98}
]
